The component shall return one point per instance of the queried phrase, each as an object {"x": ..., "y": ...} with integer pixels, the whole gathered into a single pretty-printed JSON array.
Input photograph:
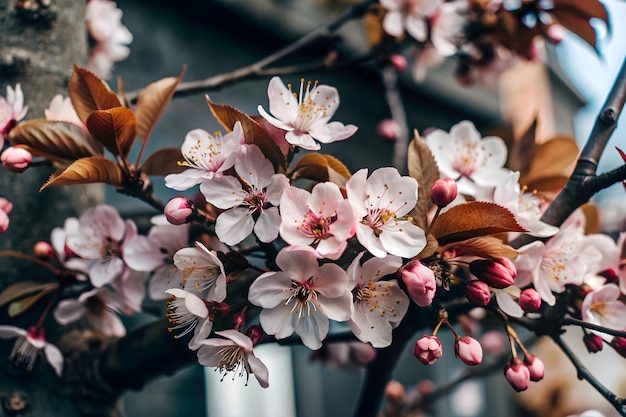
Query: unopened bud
[
  {"x": 398, "y": 62},
  {"x": 16, "y": 159},
  {"x": 535, "y": 367},
  {"x": 428, "y": 349},
  {"x": 468, "y": 350},
  {"x": 497, "y": 274},
  {"x": 179, "y": 210},
  {"x": 477, "y": 292},
  {"x": 492, "y": 341},
  {"x": 593, "y": 342},
  {"x": 255, "y": 333},
  {"x": 394, "y": 391},
  {"x": 387, "y": 129},
  {"x": 529, "y": 300},
  {"x": 43, "y": 250},
  {"x": 619, "y": 344},
  {"x": 420, "y": 282},
  {"x": 443, "y": 191},
  {"x": 517, "y": 374}
]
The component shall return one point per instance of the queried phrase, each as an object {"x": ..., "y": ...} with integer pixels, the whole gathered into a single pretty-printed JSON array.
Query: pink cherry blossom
[
  {"x": 380, "y": 202},
  {"x": 201, "y": 271},
  {"x": 206, "y": 156},
  {"x": 604, "y": 308},
  {"x": 468, "y": 350},
  {"x": 249, "y": 204},
  {"x": 321, "y": 218},
  {"x": 12, "y": 110},
  {"x": 305, "y": 118},
  {"x": 517, "y": 374},
  {"x": 476, "y": 163},
  {"x": 420, "y": 282},
  {"x": 302, "y": 297},
  {"x": 28, "y": 346},
  {"x": 189, "y": 312},
  {"x": 16, "y": 159},
  {"x": 61, "y": 109},
  {"x": 379, "y": 306},
  {"x": 409, "y": 15},
  {"x": 98, "y": 306},
  {"x": 233, "y": 353}
]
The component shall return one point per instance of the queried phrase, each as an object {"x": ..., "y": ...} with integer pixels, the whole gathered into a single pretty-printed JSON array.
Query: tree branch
[
  {"x": 398, "y": 114},
  {"x": 575, "y": 322}
]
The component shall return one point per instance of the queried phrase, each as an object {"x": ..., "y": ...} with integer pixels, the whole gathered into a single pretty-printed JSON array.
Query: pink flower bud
[
  {"x": 16, "y": 159},
  {"x": 420, "y": 282},
  {"x": 4, "y": 221},
  {"x": 468, "y": 350},
  {"x": 255, "y": 333},
  {"x": 394, "y": 391},
  {"x": 492, "y": 341},
  {"x": 43, "y": 250},
  {"x": 611, "y": 276},
  {"x": 535, "y": 367},
  {"x": 428, "y": 349},
  {"x": 398, "y": 62},
  {"x": 619, "y": 344},
  {"x": 517, "y": 374},
  {"x": 387, "y": 129},
  {"x": 497, "y": 274},
  {"x": 478, "y": 292},
  {"x": 443, "y": 191},
  {"x": 5, "y": 205},
  {"x": 179, "y": 210},
  {"x": 529, "y": 300},
  {"x": 593, "y": 342}
]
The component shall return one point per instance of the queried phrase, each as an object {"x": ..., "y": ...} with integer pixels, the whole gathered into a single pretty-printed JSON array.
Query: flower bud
[
  {"x": 443, "y": 191},
  {"x": 43, "y": 250},
  {"x": 394, "y": 391},
  {"x": 4, "y": 221},
  {"x": 255, "y": 333},
  {"x": 428, "y": 349},
  {"x": 179, "y": 210},
  {"x": 593, "y": 342},
  {"x": 517, "y": 374},
  {"x": 619, "y": 344},
  {"x": 420, "y": 282},
  {"x": 5, "y": 205},
  {"x": 478, "y": 292},
  {"x": 529, "y": 300},
  {"x": 535, "y": 367},
  {"x": 387, "y": 129},
  {"x": 398, "y": 62},
  {"x": 468, "y": 350},
  {"x": 16, "y": 159},
  {"x": 611, "y": 276},
  {"x": 497, "y": 274},
  {"x": 492, "y": 341}
]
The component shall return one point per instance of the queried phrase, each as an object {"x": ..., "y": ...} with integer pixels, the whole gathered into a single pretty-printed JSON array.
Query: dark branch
[{"x": 575, "y": 322}]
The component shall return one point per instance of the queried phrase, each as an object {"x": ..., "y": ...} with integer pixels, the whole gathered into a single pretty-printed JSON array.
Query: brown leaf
[
  {"x": 552, "y": 161},
  {"x": 483, "y": 246},
  {"x": 578, "y": 25},
  {"x": 87, "y": 171},
  {"x": 320, "y": 167},
  {"x": 227, "y": 116},
  {"x": 423, "y": 168},
  {"x": 592, "y": 218},
  {"x": 163, "y": 162},
  {"x": 277, "y": 134},
  {"x": 57, "y": 141},
  {"x": 23, "y": 288},
  {"x": 114, "y": 128},
  {"x": 473, "y": 219},
  {"x": 151, "y": 103},
  {"x": 89, "y": 93},
  {"x": 521, "y": 154},
  {"x": 373, "y": 23},
  {"x": 588, "y": 8}
]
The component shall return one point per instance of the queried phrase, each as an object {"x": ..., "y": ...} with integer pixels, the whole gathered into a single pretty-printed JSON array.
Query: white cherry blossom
[
  {"x": 379, "y": 203},
  {"x": 201, "y": 271},
  {"x": 302, "y": 297},
  {"x": 305, "y": 117},
  {"x": 206, "y": 156},
  {"x": 379, "y": 306},
  {"x": 189, "y": 312},
  {"x": 250, "y": 202},
  {"x": 99, "y": 306},
  {"x": 321, "y": 218},
  {"x": 604, "y": 308},
  {"x": 29, "y": 344},
  {"x": 409, "y": 15},
  {"x": 475, "y": 163},
  {"x": 233, "y": 354}
]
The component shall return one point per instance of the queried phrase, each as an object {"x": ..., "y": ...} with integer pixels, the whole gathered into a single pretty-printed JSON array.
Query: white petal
[
  {"x": 313, "y": 329},
  {"x": 234, "y": 225},
  {"x": 278, "y": 321},
  {"x": 508, "y": 304},
  {"x": 69, "y": 311},
  {"x": 8, "y": 332},
  {"x": 266, "y": 227},
  {"x": 268, "y": 289},
  {"x": 259, "y": 370},
  {"x": 54, "y": 358}
]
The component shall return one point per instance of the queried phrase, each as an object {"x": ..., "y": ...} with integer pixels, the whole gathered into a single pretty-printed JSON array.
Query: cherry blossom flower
[
  {"x": 206, "y": 156},
  {"x": 321, "y": 218},
  {"x": 379, "y": 306},
  {"x": 12, "y": 110},
  {"x": 154, "y": 253},
  {"x": 604, "y": 308},
  {"x": 99, "y": 238},
  {"x": 130, "y": 288},
  {"x": 305, "y": 117},
  {"x": 234, "y": 353},
  {"x": 475, "y": 163},
  {"x": 187, "y": 311},
  {"x": 104, "y": 22},
  {"x": 29, "y": 344},
  {"x": 409, "y": 15},
  {"x": 201, "y": 270},
  {"x": 61, "y": 109},
  {"x": 98, "y": 306},
  {"x": 379, "y": 203},
  {"x": 5, "y": 207},
  {"x": 302, "y": 297},
  {"x": 250, "y": 204}
]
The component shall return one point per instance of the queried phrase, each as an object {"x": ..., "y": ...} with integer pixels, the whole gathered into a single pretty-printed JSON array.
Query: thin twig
[{"x": 575, "y": 322}]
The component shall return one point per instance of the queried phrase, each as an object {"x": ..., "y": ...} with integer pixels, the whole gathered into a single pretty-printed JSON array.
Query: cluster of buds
[
  {"x": 519, "y": 373},
  {"x": 498, "y": 273}
]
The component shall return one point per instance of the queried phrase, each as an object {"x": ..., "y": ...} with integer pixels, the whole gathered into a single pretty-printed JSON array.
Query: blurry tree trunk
[{"x": 38, "y": 52}]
